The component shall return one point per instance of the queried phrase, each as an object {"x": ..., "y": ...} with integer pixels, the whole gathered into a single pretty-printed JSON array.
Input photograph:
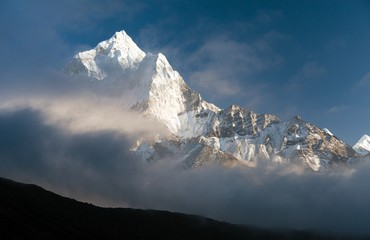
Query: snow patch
[{"x": 328, "y": 131}]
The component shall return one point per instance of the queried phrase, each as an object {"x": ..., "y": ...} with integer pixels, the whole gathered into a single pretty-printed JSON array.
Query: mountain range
[{"x": 200, "y": 132}]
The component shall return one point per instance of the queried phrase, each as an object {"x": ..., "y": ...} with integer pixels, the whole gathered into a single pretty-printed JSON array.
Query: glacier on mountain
[{"x": 200, "y": 131}]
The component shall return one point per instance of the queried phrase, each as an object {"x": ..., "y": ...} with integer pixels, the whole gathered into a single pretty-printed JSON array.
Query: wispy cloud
[
  {"x": 86, "y": 113},
  {"x": 268, "y": 17},
  {"x": 224, "y": 67},
  {"x": 362, "y": 84},
  {"x": 310, "y": 71},
  {"x": 365, "y": 80},
  {"x": 223, "y": 62},
  {"x": 215, "y": 60},
  {"x": 337, "y": 109}
]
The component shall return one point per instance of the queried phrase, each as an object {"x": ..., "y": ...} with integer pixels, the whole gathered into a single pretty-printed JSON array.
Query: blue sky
[{"x": 307, "y": 58}]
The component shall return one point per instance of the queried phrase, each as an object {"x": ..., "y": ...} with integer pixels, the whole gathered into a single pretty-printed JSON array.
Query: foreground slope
[
  {"x": 200, "y": 131},
  {"x": 30, "y": 212}
]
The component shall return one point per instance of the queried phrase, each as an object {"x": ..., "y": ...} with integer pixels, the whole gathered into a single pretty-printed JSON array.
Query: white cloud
[
  {"x": 87, "y": 113},
  {"x": 336, "y": 109},
  {"x": 215, "y": 60},
  {"x": 224, "y": 67},
  {"x": 310, "y": 71},
  {"x": 365, "y": 80}
]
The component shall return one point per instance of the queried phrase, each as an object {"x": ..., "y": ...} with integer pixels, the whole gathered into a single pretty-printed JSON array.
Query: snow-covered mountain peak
[
  {"x": 164, "y": 72},
  {"x": 200, "y": 131},
  {"x": 362, "y": 147},
  {"x": 109, "y": 59},
  {"x": 159, "y": 91},
  {"x": 147, "y": 84},
  {"x": 122, "y": 47}
]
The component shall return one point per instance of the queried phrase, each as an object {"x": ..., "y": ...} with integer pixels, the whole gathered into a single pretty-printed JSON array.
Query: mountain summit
[
  {"x": 200, "y": 131},
  {"x": 116, "y": 54},
  {"x": 147, "y": 82},
  {"x": 362, "y": 147}
]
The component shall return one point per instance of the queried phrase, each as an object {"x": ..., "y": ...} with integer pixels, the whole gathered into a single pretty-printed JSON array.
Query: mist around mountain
[
  {"x": 89, "y": 161},
  {"x": 30, "y": 212}
]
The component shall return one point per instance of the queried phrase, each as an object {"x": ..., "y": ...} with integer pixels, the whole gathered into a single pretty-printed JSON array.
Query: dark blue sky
[{"x": 308, "y": 58}]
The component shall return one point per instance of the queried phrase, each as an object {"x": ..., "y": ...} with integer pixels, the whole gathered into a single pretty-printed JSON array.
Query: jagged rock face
[
  {"x": 313, "y": 146},
  {"x": 190, "y": 153},
  {"x": 236, "y": 120},
  {"x": 200, "y": 132},
  {"x": 251, "y": 137}
]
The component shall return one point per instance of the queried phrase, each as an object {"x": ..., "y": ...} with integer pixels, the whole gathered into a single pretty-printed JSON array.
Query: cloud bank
[{"x": 97, "y": 166}]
